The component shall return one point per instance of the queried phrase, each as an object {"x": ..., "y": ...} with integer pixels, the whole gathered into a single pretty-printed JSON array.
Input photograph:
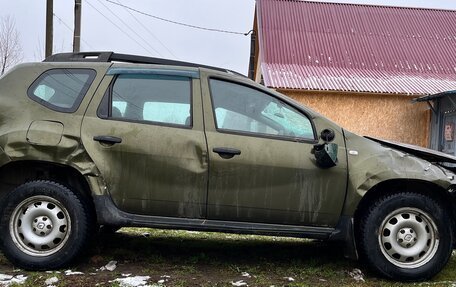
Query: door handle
[
  {"x": 107, "y": 139},
  {"x": 226, "y": 152}
]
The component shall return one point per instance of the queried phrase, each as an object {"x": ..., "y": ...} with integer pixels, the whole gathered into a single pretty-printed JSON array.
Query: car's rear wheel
[
  {"x": 405, "y": 236},
  {"x": 43, "y": 225}
]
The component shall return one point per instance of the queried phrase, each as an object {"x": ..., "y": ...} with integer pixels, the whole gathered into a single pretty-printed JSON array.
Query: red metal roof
[{"x": 350, "y": 47}]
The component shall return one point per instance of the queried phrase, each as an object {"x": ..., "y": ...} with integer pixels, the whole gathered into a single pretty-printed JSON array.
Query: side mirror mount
[{"x": 327, "y": 135}]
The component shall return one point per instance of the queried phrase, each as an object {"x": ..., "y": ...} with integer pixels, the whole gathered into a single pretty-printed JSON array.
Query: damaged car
[{"x": 104, "y": 139}]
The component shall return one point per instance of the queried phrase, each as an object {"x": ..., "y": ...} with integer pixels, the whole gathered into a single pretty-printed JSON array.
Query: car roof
[{"x": 126, "y": 58}]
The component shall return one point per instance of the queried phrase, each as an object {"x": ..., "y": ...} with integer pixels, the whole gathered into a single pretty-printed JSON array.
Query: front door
[
  {"x": 145, "y": 134},
  {"x": 261, "y": 164}
]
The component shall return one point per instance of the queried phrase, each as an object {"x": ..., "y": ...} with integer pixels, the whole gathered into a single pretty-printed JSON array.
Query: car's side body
[{"x": 145, "y": 173}]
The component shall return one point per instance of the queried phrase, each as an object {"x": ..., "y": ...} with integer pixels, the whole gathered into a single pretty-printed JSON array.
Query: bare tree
[{"x": 10, "y": 47}]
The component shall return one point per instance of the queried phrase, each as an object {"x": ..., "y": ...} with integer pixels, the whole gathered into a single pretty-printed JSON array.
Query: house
[
  {"x": 443, "y": 120},
  {"x": 359, "y": 65}
]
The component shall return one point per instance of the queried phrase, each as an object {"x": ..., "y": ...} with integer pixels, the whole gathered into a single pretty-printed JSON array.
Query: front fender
[
  {"x": 370, "y": 163},
  {"x": 4, "y": 158}
]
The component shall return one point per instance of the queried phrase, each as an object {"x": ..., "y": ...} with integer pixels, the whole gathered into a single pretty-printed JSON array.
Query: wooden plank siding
[{"x": 391, "y": 117}]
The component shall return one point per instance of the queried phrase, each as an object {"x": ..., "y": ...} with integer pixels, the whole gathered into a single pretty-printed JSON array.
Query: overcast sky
[{"x": 142, "y": 35}]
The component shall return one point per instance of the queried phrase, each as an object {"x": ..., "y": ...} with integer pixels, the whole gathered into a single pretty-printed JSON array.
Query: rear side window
[
  {"x": 155, "y": 99},
  {"x": 61, "y": 90}
]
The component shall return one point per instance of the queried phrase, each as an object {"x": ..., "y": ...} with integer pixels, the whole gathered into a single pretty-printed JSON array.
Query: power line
[
  {"x": 69, "y": 28},
  {"x": 180, "y": 23},
  {"x": 123, "y": 31},
  {"x": 126, "y": 24},
  {"x": 150, "y": 32}
]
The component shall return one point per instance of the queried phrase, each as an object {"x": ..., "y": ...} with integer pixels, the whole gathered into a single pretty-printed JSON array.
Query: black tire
[
  {"x": 405, "y": 236},
  {"x": 51, "y": 234}
]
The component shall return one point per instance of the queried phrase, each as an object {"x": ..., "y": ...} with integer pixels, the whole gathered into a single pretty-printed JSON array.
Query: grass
[{"x": 217, "y": 259}]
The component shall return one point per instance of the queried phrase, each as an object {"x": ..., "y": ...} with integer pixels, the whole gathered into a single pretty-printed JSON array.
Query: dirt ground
[{"x": 181, "y": 258}]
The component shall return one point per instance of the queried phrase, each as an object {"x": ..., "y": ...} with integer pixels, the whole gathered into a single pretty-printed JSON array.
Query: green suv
[{"x": 105, "y": 139}]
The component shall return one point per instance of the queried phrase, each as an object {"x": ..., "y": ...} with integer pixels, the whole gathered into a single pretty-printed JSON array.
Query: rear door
[
  {"x": 261, "y": 164},
  {"x": 144, "y": 131}
]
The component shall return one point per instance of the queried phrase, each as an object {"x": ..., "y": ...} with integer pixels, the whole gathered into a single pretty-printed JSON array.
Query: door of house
[{"x": 448, "y": 141}]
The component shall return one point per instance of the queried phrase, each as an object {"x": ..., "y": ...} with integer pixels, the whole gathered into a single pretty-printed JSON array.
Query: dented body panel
[
  {"x": 371, "y": 163},
  {"x": 32, "y": 132},
  {"x": 4, "y": 158},
  {"x": 156, "y": 170}
]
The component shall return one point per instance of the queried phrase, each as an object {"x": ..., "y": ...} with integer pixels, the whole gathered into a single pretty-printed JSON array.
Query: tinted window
[
  {"x": 153, "y": 98},
  {"x": 62, "y": 89},
  {"x": 243, "y": 109}
]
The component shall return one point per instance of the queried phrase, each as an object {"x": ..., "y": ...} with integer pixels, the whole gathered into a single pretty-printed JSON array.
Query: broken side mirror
[{"x": 326, "y": 153}]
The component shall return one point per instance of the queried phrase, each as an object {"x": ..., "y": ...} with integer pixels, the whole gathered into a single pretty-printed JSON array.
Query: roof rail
[{"x": 115, "y": 57}]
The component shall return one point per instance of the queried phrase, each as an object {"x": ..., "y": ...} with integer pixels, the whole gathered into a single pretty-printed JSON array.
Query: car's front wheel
[
  {"x": 43, "y": 225},
  {"x": 406, "y": 236}
]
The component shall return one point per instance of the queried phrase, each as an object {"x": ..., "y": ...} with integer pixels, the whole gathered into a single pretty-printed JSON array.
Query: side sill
[{"x": 109, "y": 214}]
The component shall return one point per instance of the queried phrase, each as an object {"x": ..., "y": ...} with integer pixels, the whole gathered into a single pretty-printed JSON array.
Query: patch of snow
[
  {"x": 245, "y": 274},
  {"x": 69, "y": 272},
  {"x": 111, "y": 266},
  {"x": 357, "y": 275},
  {"x": 7, "y": 280},
  {"x": 239, "y": 283},
  {"x": 4, "y": 277},
  {"x": 135, "y": 281},
  {"x": 126, "y": 274},
  {"x": 51, "y": 281},
  {"x": 289, "y": 279},
  {"x": 165, "y": 279}
]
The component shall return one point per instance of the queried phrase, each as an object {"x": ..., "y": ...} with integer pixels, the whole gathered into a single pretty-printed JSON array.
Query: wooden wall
[{"x": 391, "y": 117}]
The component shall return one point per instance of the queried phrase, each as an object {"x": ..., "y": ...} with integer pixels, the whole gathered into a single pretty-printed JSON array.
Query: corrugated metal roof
[{"x": 351, "y": 47}]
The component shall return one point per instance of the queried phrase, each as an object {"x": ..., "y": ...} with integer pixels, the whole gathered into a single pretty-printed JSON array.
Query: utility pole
[
  {"x": 49, "y": 26},
  {"x": 77, "y": 26}
]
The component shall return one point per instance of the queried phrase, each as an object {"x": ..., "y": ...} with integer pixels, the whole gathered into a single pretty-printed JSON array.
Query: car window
[
  {"x": 230, "y": 120},
  {"x": 243, "y": 109},
  {"x": 62, "y": 89},
  {"x": 152, "y": 98}
]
